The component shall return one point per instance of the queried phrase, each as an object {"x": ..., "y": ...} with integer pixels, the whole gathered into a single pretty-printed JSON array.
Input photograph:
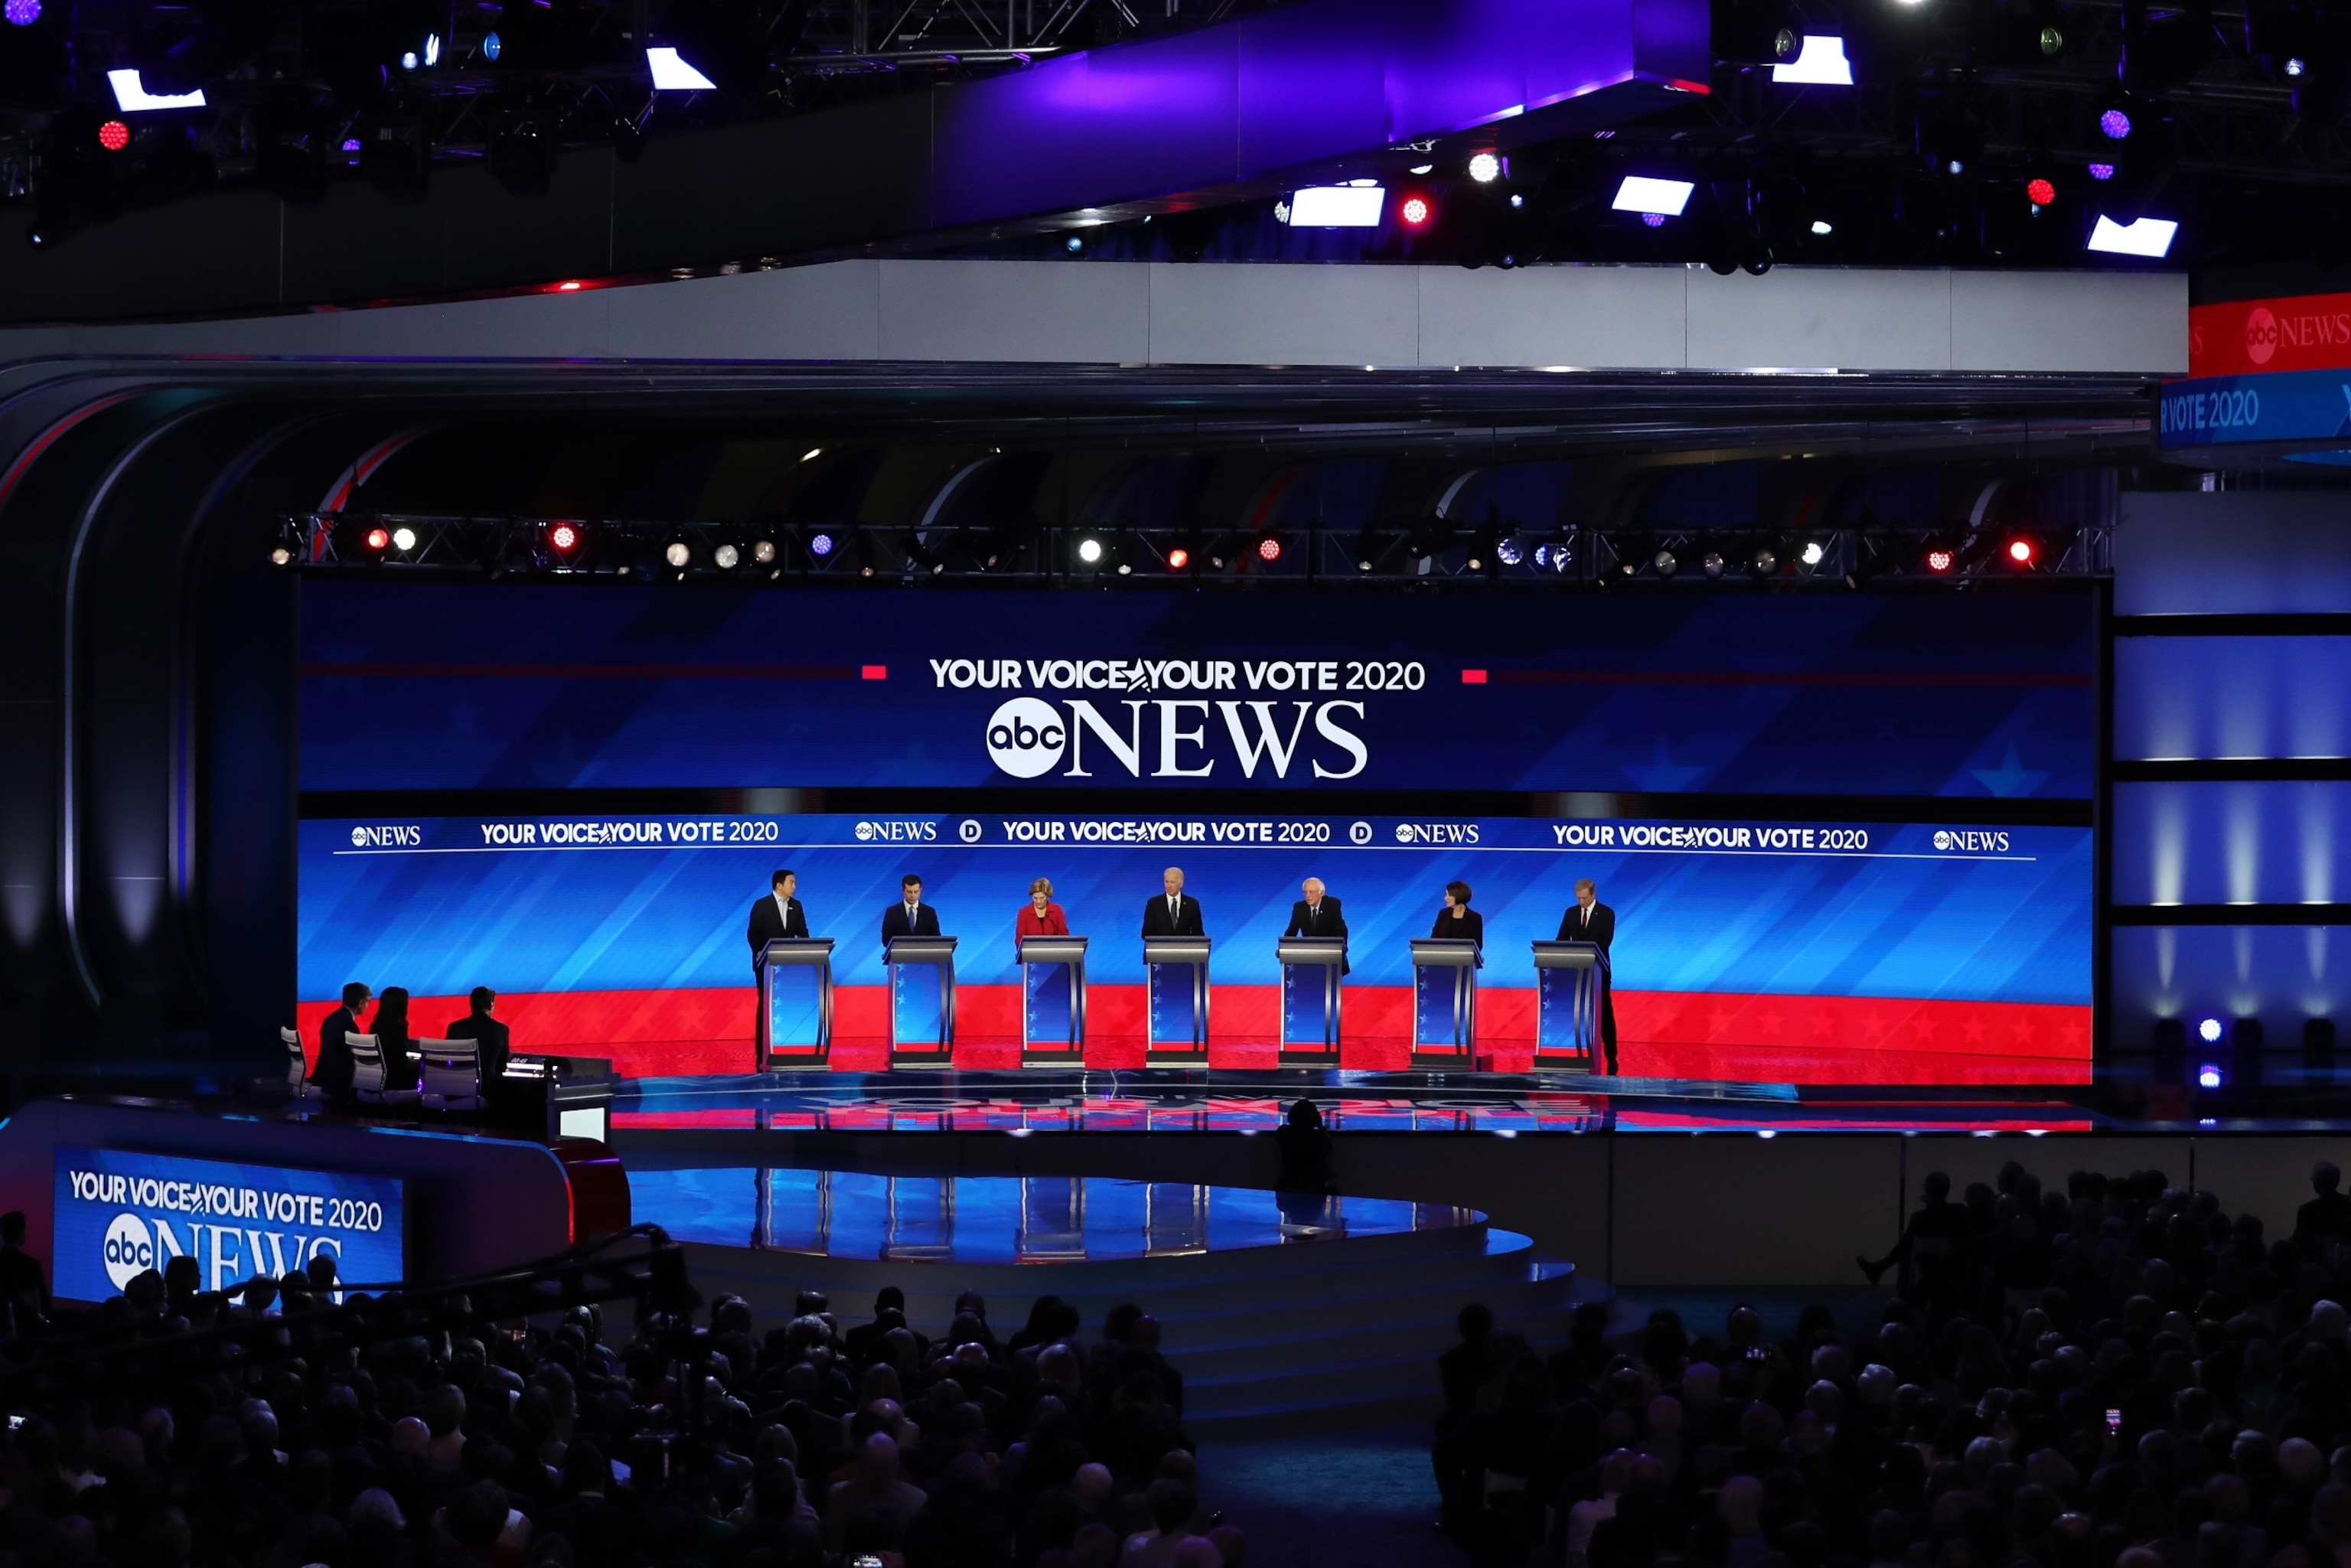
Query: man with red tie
[{"x": 1589, "y": 920}]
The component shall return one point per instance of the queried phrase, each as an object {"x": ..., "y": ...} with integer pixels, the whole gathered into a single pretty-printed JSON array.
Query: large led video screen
[
  {"x": 1950, "y": 951},
  {"x": 548, "y": 686}
]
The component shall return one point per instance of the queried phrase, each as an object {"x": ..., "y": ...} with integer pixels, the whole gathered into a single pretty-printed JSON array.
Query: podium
[
  {"x": 1567, "y": 1002},
  {"x": 1176, "y": 968},
  {"x": 795, "y": 1003},
  {"x": 922, "y": 1000},
  {"x": 1444, "y": 1002},
  {"x": 1310, "y": 968},
  {"x": 1052, "y": 1001}
]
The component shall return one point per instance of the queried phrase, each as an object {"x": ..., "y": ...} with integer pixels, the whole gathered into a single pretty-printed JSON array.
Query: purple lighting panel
[{"x": 1320, "y": 80}]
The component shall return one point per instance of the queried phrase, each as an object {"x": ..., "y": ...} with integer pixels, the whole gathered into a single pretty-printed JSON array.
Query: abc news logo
[
  {"x": 1976, "y": 841},
  {"x": 405, "y": 836},
  {"x": 1029, "y": 737}
]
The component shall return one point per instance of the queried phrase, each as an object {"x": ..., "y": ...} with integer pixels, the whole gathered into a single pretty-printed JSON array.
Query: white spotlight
[
  {"x": 672, "y": 74},
  {"x": 1821, "y": 63},
  {"x": 2146, "y": 237},
  {"x": 1639, "y": 194},
  {"x": 130, "y": 98},
  {"x": 1336, "y": 208},
  {"x": 1484, "y": 168},
  {"x": 403, "y": 538}
]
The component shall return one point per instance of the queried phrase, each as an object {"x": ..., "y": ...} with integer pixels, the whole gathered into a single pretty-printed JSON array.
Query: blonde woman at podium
[
  {"x": 1456, "y": 922},
  {"x": 1040, "y": 916}
]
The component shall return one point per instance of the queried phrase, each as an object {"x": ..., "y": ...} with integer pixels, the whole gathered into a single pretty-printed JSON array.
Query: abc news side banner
[{"x": 118, "y": 1215}]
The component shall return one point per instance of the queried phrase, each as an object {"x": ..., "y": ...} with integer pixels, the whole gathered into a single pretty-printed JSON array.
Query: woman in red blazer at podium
[{"x": 1040, "y": 916}]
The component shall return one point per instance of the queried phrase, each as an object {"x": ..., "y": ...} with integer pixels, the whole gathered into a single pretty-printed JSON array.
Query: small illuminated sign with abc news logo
[{"x": 119, "y": 1214}]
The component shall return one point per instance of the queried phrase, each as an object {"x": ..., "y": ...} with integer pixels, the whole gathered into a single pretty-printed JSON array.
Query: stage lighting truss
[{"x": 1496, "y": 554}]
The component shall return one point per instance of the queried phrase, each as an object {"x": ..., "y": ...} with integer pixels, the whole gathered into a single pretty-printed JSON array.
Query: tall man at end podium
[
  {"x": 776, "y": 915},
  {"x": 1175, "y": 913},
  {"x": 910, "y": 916},
  {"x": 1589, "y": 920}
]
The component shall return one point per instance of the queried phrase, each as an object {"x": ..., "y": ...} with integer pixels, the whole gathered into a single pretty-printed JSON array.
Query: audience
[
  {"x": 519, "y": 1445},
  {"x": 2115, "y": 1375}
]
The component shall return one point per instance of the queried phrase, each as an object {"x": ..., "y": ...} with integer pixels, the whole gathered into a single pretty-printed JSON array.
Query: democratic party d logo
[
  {"x": 1026, "y": 737},
  {"x": 129, "y": 1249}
]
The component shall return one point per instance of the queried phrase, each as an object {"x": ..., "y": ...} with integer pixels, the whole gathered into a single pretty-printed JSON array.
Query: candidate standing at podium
[
  {"x": 1175, "y": 913},
  {"x": 910, "y": 916},
  {"x": 1040, "y": 916},
  {"x": 1317, "y": 914},
  {"x": 1589, "y": 920},
  {"x": 1456, "y": 922},
  {"x": 776, "y": 915}
]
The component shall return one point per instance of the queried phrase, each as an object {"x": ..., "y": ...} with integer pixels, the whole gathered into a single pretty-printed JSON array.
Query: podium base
[
  {"x": 1445, "y": 1061},
  {"x": 1175, "y": 1056},
  {"x": 1564, "y": 1061},
  {"x": 931, "y": 1055},
  {"x": 1307, "y": 1056},
  {"x": 1052, "y": 1056}
]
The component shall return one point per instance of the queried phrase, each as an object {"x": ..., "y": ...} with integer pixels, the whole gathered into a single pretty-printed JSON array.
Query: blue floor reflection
[{"x": 1001, "y": 1219}]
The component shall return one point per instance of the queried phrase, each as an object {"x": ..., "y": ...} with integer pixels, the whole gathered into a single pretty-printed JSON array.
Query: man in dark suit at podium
[
  {"x": 1175, "y": 913},
  {"x": 777, "y": 915},
  {"x": 910, "y": 916},
  {"x": 1589, "y": 920},
  {"x": 1317, "y": 915}
]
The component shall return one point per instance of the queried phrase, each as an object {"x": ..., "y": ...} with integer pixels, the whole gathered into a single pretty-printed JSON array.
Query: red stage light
[
  {"x": 564, "y": 537},
  {"x": 2042, "y": 192},
  {"x": 377, "y": 539},
  {"x": 1939, "y": 560},
  {"x": 1415, "y": 211},
  {"x": 1269, "y": 549},
  {"x": 1178, "y": 559},
  {"x": 2019, "y": 551},
  {"x": 114, "y": 136},
  {"x": 571, "y": 287}
]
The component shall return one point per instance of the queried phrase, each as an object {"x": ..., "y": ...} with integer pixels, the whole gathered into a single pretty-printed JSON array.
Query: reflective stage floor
[{"x": 2286, "y": 1096}]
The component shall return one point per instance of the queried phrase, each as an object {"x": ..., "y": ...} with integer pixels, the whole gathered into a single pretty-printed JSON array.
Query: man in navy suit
[
  {"x": 910, "y": 916},
  {"x": 1589, "y": 920},
  {"x": 776, "y": 917},
  {"x": 1317, "y": 914},
  {"x": 1175, "y": 913}
]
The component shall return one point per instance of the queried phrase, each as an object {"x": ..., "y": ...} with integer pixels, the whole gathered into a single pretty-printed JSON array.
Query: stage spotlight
[
  {"x": 1510, "y": 550},
  {"x": 1813, "y": 553},
  {"x": 1555, "y": 555},
  {"x": 2208, "y": 1032},
  {"x": 2020, "y": 552},
  {"x": 2115, "y": 125},
  {"x": 1822, "y": 228},
  {"x": 1415, "y": 211},
  {"x": 2040, "y": 193},
  {"x": 1090, "y": 551},
  {"x": 281, "y": 556},
  {"x": 131, "y": 98},
  {"x": 1821, "y": 63},
  {"x": 2208, "y": 1076},
  {"x": 2102, "y": 171},
  {"x": 491, "y": 47},
  {"x": 1764, "y": 562},
  {"x": 1335, "y": 207},
  {"x": 819, "y": 544},
  {"x": 114, "y": 136},
  {"x": 1711, "y": 564},
  {"x": 727, "y": 558},
  {"x": 1484, "y": 168},
  {"x": 22, "y": 13},
  {"x": 564, "y": 538},
  {"x": 1178, "y": 559},
  {"x": 1656, "y": 198},
  {"x": 2142, "y": 237},
  {"x": 763, "y": 552},
  {"x": 679, "y": 554},
  {"x": 378, "y": 539},
  {"x": 404, "y": 540},
  {"x": 672, "y": 74},
  {"x": 1939, "y": 560},
  {"x": 1269, "y": 549},
  {"x": 1664, "y": 563}
]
